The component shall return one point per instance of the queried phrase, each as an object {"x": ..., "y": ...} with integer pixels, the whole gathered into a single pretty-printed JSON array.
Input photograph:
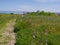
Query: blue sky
[{"x": 30, "y": 5}]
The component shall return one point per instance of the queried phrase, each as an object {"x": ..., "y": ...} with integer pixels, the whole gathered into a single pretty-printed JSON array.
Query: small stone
[{"x": 33, "y": 36}]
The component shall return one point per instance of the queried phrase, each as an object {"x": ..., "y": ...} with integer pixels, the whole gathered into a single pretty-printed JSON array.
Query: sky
[{"x": 30, "y": 5}]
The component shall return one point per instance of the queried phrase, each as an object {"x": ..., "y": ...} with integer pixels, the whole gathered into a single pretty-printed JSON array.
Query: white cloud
[
  {"x": 31, "y": 8},
  {"x": 26, "y": 8},
  {"x": 46, "y": 0},
  {"x": 52, "y": 8}
]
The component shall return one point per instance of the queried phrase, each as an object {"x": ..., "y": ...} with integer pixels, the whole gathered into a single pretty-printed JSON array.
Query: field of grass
[
  {"x": 37, "y": 30},
  {"x": 33, "y": 29},
  {"x": 4, "y": 20}
]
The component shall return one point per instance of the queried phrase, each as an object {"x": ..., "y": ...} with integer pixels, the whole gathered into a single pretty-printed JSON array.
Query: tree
[{"x": 11, "y": 13}]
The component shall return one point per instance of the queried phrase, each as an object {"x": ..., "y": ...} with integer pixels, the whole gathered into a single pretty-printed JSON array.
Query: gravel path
[{"x": 8, "y": 36}]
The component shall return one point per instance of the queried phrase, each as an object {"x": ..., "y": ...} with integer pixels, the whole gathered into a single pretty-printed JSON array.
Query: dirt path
[{"x": 8, "y": 36}]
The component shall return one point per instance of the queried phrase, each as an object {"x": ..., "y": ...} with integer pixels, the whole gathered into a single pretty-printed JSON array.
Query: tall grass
[
  {"x": 4, "y": 18},
  {"x": 37, "y": 30}
]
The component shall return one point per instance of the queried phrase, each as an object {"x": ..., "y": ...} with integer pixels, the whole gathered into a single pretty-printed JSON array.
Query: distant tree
[
  {"x": 37, "y": 11},
  {"x": 27, "y": 12},
  {"x": 11, "y": 13},
  {"x": 41, "y": 13}
]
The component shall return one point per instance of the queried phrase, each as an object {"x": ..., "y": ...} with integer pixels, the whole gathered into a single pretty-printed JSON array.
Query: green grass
[
  {"x": 4, "y": 19},
  {"x": 31, "y": 30}
]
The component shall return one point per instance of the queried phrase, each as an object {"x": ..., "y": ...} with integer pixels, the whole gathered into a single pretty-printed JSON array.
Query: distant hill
[
  {"x": 18, "y": 12},
  {"x": 57, "y": 13},
  {"x": 15, "y": 12}
]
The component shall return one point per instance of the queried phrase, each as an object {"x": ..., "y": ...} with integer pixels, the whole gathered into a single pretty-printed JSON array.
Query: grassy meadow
[
  {"x": 4, "y": 19},
  {"x": 38, "y": 29},
  {"x": 35, "y": 28}
]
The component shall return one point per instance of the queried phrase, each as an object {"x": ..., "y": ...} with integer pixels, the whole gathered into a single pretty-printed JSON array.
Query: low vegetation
[
  {"x": 4, "y": 18},
  {"x": 5, "y": 25},
  {"x": 34, "y": 29}
]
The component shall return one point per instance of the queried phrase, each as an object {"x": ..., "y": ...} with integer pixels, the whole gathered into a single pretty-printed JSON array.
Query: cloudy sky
[{"x": 30, "y": 5}]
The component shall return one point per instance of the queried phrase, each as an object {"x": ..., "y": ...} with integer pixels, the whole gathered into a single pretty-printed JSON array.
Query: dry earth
[{"x": 8, "y": 37}]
